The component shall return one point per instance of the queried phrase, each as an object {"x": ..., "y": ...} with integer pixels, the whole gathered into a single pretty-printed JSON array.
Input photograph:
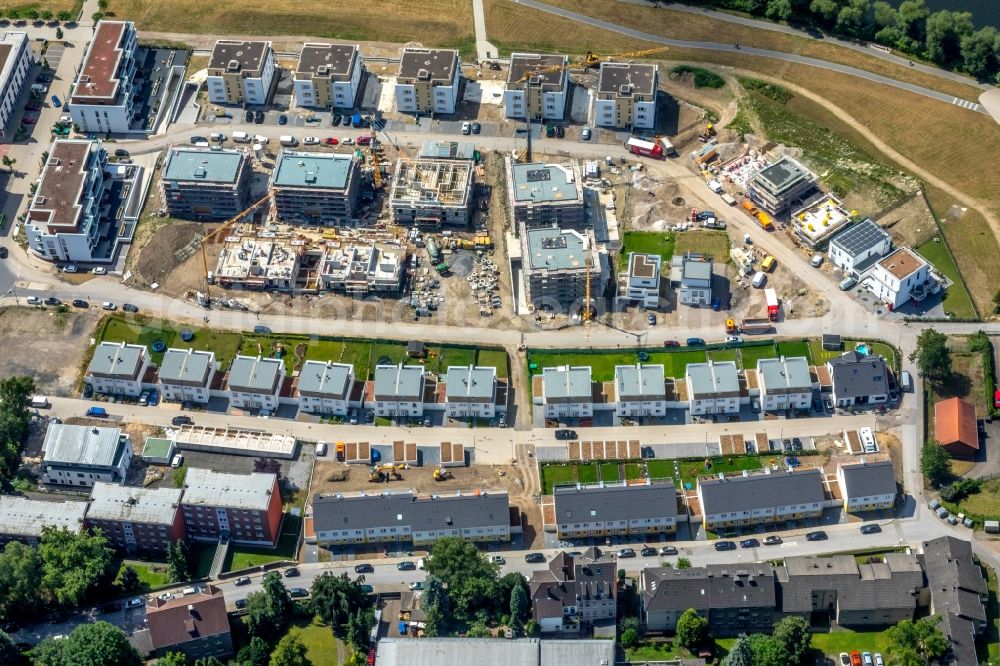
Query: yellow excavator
[{"x": 441, "y": 474}]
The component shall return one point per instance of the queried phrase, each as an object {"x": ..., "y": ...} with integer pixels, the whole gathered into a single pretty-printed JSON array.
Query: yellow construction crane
[
  {"x": 219, "y": 232},
  {"x": 586, "y": 303}
]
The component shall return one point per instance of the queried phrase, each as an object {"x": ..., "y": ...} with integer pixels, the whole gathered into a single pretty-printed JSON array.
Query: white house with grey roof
[
  {"x": 768, "y": 497},
  {"x": 470, "y": 391},
  {"x": 399, "y": 390},
  {"x": 859, "y": 379},
  {"x": 692, "y": 275},
  {"x": 118, "y": 368},
  {"x": 406, "y": 517},
  {"x": 81, "y": 456},
  {"x": 255, "y": 382},
  {"x": 640, "y": 390},
  {"x": 566, "y": 392},
  {"x": 607, "y": 510},
  {"x": 785, "y": 383},
  {"x": 328, "y": 75},
  {"x": 713, "y": 388},
  {"x": 856, "y": 249},
  {"x": 626, "y": 95},
  {"x": 325, "y": 387},
  {"x": 23, "y": 519},
  {"x": 867, "y": 486},
  {"x": 186, "y": 375}
]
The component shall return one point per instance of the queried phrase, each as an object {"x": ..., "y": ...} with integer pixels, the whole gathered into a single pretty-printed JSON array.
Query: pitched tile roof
[
  {"x": 187, "y": 618},
  {"x": 337, "y": 512},
  {"x": 716, "y": 586},
  {"x": 955, "y": 423}
]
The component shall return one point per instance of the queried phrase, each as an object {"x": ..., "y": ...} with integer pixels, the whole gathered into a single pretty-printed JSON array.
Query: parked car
[
  {"x": 848, "y": 283},
  {"x": 282, "y": 119},
  {"x": 750, "y": 543},
  {"x": 565, "y": 434},
  {"x": 818, "y": 535},
  {"x": 144, "y": 398},
  {"x": 137, "y": 602},
  {"x": 248, "y": 117},
  {"x": 128, "y": 307},
  {"x": 626, "y": 552},
  {"x": 310, "y": 141},
  {"x": 845, "y": 659},
  {"x": 417, "y": 585},
  {"x": 331, "y": 141},
  {"x": 817, "y": 260},
  {"x": 240, "y": 604},
  {"x": 108, "y": 305},
  {"x": 532, "y": 558},
  {"x": 346, "y": 121},
  {"x": 97, "y": 412},
  {"x": 476, "y": 128},
  {"x": 243, "y": 580},
  {"x": 855, "y": 658},
  {"x": 648, "y": 551},
  {"x": 466, "y": 128},
  {"x": 100, "y": 270},
  {"x": 71, "y": 268},
  {"x": 668, "y": 550},
  {"x": 878, "y": 659},
  {"x": 671, "y": 343},
  {"x": 734, "y": 339},
  {"x": 199, "y": 139},
  {"x": 695, "y": 342},
  {"x": 80, "y": 303},
  {"x": 298, "y": 593},
  {"x": 181, "y": 420},
  {"x": 177, "y": 462},
  {"x": 258, "y": 117},
  {"x": 335, "y": 119},
  {"x": 406, "y": 566},
  {"x": 725, "y": 545},
  {"x": 364, "y": 568},
  {"x": 34, "y": 300},
  {"x": 560, "y": 131},
  {"x": 871, "y": 528},
  {"x": 364, "y": 140},
  {"x": 585, "y": 134},
  {"x": 773, "y": 540},
  {"x": 347, "y": 141},
  {"x": 88, "y": 391},
  {"x": 52, "y": 300},
  {"x": 56, "y": 102},
  {"x": 867, "y": 659},
  {"x": 291, "y": 572},
  {"x": 3, "y": 252}
]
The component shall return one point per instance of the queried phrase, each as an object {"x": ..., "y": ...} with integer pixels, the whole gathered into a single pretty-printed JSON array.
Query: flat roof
[
  {"x": 326, "y": 378},
  {"x": 117, "y": 359},
  {"x": 10, "y": 42},
  {"x": 557, "y": 249},
  {"x": 902, "y": 263},
  {"x": 437, "y": 65},
  {"x": 470, "y": 381},
  {"x": 241, "y": 56},
  {"x": 314, "y": 171},
  {"x": 109, "y": 501},
  {"x": 24, "y": 517},
  {"x": 327, "y": 59},
  {"x": 235, "y": 441},
  {"x": 712, "y": 378},
  {"x": 186, "y": 365},
  {"x": 696, "y": 269},
  {"x": 97, "y": 79},
  {"x": 784, "y": 373},
  {"x": 82, "y": 445},
  {"x": 396, "y": 381},
  {"x": 202, "y": 165},
  {"x": 494, "y": 652},
  {"x": 644, "y": 265},
  {"x": 540, "y": 183},
  {"x": 626, "y": 79},
  {"x": 548, "y": 70},
  {"x": 234, "y": 491},
  {"x": 640, "y": 382},
  {"x": 821, "y": 219},
  {"x": 157, "y": 447},
  {"x": 861, "y": 237},
  {"x": 447, "y": 150},
  {"x": 782, "y": 175},
  {"x": 57, "y": 199},
  {"x": 567, "y": 382},
  {"x": 255, "y": 373}
]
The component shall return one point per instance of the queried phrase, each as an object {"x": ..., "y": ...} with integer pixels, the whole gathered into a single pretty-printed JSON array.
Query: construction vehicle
[
  {"x": 384, "y": 474},
  {"x": 220, "y": 232},
  {"x": 433, "y": 250},
  {"x": 441, "y": 474},
  {"x": 773, "y": 304},
  {"x": 482, "y": 242},
  {"x": 707, "y": 134},
  {"x": 756, "y": 325},
  {"x": 768, "y": 264},
  {"x": 340, "y": 452},
  {"x": 762, "y": 218},
  {"x": 646, "y": 148}
]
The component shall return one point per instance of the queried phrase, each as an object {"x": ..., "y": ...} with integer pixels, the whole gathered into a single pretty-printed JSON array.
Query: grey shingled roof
[
  {"x": 117, "y": 359},
  {"x": 393, "y": 382},
  {"x": 255, "y": 374},
  {"x": 640, "y": 382},
  {"x": 470, "y": 383},
  {"x": 567, "y": 383},
  {"x": 325, "y": 378},
  {"x": 82, "y": 445},
  {"x": 110, "y": 501},
  {"x": 954, "y": 580},
  {"x": 761, "y": 491},
  {"x": 784, "y": 374},
  {"x": 961, "y": 640},
  {"x": 186, "y": 365},
  {"x": 860, "y": 238},
  {"x": 568, "y": 578},
  {"x": 855, "y": 376},
  {"x": 867, "y": 479},
  {"x": 339, "y": 512},
  {"x": 710, "y": 379},
  {"x": 717, "y": 586},
  {"x": 614, "y": 503}
]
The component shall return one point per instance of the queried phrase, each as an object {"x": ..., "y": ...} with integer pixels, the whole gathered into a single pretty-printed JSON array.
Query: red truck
[
  {"x": 772, "y": 304},
  {"x": 647, "y": 148}
]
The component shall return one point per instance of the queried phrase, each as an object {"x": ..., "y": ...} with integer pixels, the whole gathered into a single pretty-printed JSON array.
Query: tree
[
  {"x": 128, "y": 579},
  {"x": 172, "y": 659},
  {"x": 97, "y": 644},
  {"x": 65, "y": 15},
  {"x": 692, "y": 629},
  {"x": 826, "y": 10},
  {"x": 767, "y": 651},
  {"x": 437, "y": 606},
  {"x": 935, "y": 463},
  {"x": 208, "y": 661},
  {"x": 179, "y": 475},
  {"x": 912, "y": 19},
  {"x": 945, "y": 30},
  {"x": 629, "y": 632},
  {"x": 471, "y": 580},
  {"x": 885, "y": 15},
  {"x": 20, "y": 581},
  {"x": 979, "y": 58},
  {"x": 10, "y": 655},
  {"x": 921, "y": 639},
  {"x": 792, "y": 633},
  {"x": 507, "y": 583},
  {"x": 33, "y": 14},
  {"x": 178, "y": 561},
  {"x": 290, "y": 652},
  {"x": 255, "y": 653},
  {"x": 96, "y": 17},
  {"x": 779, "y": 9},
  {"x": 46, "y": 14},
  {"x": 932, "y": 356},
  {"x": 73, "y": 564},
  {"x": 740, "y": 655},
  {"x": 336, "y": 598},
  {"x": 102, "y": 5},
  {"x": 519, "y": 607},
  {"x": 852, "y": 18},
  {"x": 683, "y": 563},
  {"x": 268, "y": 610},
  {"x": 479, "y": 630},
  {"x": 8, "y": 162},
  {"x": 59, "y": 32},
  {"x": 359, "y": 628}
]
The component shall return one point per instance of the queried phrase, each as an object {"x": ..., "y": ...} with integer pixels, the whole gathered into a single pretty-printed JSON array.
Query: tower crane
[
  {"x": 586, "y": 303},
  {"x": 219, "y": 232}
]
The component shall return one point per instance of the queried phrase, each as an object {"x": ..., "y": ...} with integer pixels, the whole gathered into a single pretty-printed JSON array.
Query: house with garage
[
  {"x": 713, "y": 388},
  {"x": 255, "y": 382},
  {"x": 785, "y": 383},
  {"x": 398, "y": 390},
  {"x": 640, "y": 390},
  {"x": 565, "y": 392},
  {"x": 901, "y": 277},
  {"x": 186, "y": 375},
  {"x": 325, "y": 387},
  {"x": 118, "y": 368},
  {"x": 470, "y": 391},
  {"x": 858, "y": 379},
  {"x": 856, "y": 249}
]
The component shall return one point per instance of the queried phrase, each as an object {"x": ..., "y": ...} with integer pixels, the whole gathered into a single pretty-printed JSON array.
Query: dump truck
[
  {"x": 340, "y": 452},
  {"x": 773, "y": 304},
  {"x": 752, "y": 326},
  {"x": 763, "y": 219},
  {"x": 646, "y": 148},
  {"x": 433, "y": 251}
]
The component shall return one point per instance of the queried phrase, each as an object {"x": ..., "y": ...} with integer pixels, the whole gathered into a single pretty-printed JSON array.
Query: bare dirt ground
[
  {"x": 910, "y": 224},
  {"x": 57, "y": 342}
]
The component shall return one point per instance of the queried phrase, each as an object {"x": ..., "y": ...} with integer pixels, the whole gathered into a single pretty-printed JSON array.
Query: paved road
[{"x": 749, "y": 50}]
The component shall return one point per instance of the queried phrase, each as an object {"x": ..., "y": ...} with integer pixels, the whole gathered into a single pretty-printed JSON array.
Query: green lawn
[
  {"x": 723, "y": 355},
  {"x": 835, "y": 642},
  {"x": 691, "y": 470},
  {"x": 496, "y": 358},
  {"x": 609, "y": 472},
  {"x": 658, "y": 651},
  {"x": 151, "y": 574},
  {"x": 957, "y": 299},
  {"x": 633, "y": 471},
  {"x": 660, "y": 469},
  {"x": 986, "y": 502},
  {"x": 557, "y": 474},
  {"x": 139, "y": 330},
  {"x": 790, "y": 348},
  {"x": 244, "y": 557},
  {"x": 715, "y": 243},
  {"x": 648, "y": 242},
  {"x": 819, "y": 356},
  {"x": 322, "y": 647},
  {"x": 750, "y": 355},
  {"x": 587, "y": 473}
]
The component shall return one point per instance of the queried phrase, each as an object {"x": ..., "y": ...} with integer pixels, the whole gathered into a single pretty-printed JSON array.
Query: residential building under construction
[
  {"x": 558, "y": 264},
  {"x": 259, "y": 263},
  {"x": 362, "y": 269},
  {"x": 203, "y": 184},
  {"x": 315, "y": 188},
  {"x": 430, "y": 193},
  {"x": 544, "y": 195}
]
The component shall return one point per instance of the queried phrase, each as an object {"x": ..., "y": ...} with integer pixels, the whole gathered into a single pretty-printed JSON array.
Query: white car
[
  {"x": 347, "y": 141},
  {"x": 100, "y": 270},
  {"x": 108, "y": 305},
  {"x": 70, "y": 269},
  {"x": 817, "y": 260},
  {"x": 34, "y": 300},
  {"x": 733, "y": 338},
  {"x": 310, "y": 141},
  {"x": 466, "y": 128},
  {"x": 417, "y": 585},
  {"x": 166, "y": 596}
]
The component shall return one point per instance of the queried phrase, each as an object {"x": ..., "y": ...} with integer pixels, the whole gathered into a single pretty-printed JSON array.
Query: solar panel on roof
[{"x": 860, "y": 237}]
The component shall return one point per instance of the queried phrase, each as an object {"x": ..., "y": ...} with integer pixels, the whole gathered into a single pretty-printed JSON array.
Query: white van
[
  {"x": 177, "y": 462},
  {"x": 320, "y": 449},
  {"x": 906, "y": 381},
  {"x": 759, "y": 278},
  {"x": 39, "y": 401},
  {"x": 261, "y": 139},
  {"x": 288, "y": 140},
  {"x": 201, "y": 144},
  {"x": 241, "y": 137}
]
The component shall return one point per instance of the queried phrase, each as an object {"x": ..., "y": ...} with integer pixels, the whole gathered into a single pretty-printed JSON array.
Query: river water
[{"x": 984, "y": 12}]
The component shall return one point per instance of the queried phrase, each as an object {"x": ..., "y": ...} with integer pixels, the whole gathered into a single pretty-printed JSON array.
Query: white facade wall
[
  {"x": 312, "y": 405},
  {"x": 12, "y": 78},
  {"x": 768, "y": 515},
  {"x": 255, "y": 89},
  {"x": 773, "y": 402},
  {"x": 86, "y": 478},
  {"x": 864, "y": 503},
  {"x": 216, "y": 87},
  {"x": 609, "y": 527},
  {"x": 102, "y": 119},
  {"x": 568, "y": 410},
  {"x": 891, "y": 290},
  {"x": 179, "y": 393},
  {"x": 466, "y": 409},
  {"x": 643, "y": 408},
  {"x": 393, "y": 408},
  {"x": 604, "y": 113},
  {"x": 553, "y": 103},
  {"x": 242, "y": 400},
  {"x": 846, "y": 262},
  {"x": 715, "y": 406},
  {"x": 118, "y": 386},
  {"x": 644, "y": 115}
]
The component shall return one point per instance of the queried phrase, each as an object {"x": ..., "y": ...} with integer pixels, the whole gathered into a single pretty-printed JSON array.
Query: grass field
[
  {"x": 322, "y": 647},
  {"x": 141, "y": 330},
  {"x": 648, "y": 242},
  {"x": 54, "y": 6},
  {"x": 244, "y": 557},
  {"x": 703, "y": 78},
  {"x": 609, "y": 472},
  {"x": 835, "y": 642},
  {"x": 691, "y": 470},
  {"x": 714, "y": 243},
  {"x": 553, "y": 475},
  {"x": 957, "y": 299},
  {"x": 587, "y": 473},
  {"x": 657, "y": 651},
  {"x": 820, "y": 356},
  {"x": 151, "y": 574},
  {"x": 986, "y": 502}
]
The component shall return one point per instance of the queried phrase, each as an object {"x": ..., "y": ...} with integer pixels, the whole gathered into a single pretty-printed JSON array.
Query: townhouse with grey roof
[
  {"x": 734, "y": 598},
  {"x": 137, "y": 519},
  {"x": 186, "y": 375},
  {"x": 785, "y": 383},
  {"x": 118, "y": 368},
  {"x": 713, "y": 388},
  {"x": 564, "y": 392},
  {"x": 640, "y": 390},
  {"x": 23, "y": 519},
  {"x": 325, "y": 387},
  {"x": 955, "y": 581},
  {"x": 255, "y": 382},
  {"x": 753, "y": 499},
  {"x": 398, "y": 390},
  {"x": 245, "y": 508},
  {"x": 80, "y": 456},
  {"x": 406, "y": 517},
  {"x": 858, "y": 379},
  {"x": 609, "y": 510},
  {"x": 574, "y": 592},
  {"x": 867, "y": 485},
  {"x": 471, "y": 391}
]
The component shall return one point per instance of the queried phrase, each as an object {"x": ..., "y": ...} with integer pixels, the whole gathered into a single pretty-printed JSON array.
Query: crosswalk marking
[{"x": 965, "y": 104}]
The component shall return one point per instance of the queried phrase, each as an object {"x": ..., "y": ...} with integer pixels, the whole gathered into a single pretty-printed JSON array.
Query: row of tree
[
  {"x": 948, "y": 38},
  {"x": 35, "y": 14},
  {"x": 15, "y": 422}
]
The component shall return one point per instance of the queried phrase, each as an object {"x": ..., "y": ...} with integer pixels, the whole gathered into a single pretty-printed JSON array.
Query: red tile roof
[
  {"x": 955, "y": 423},
  {"x": 187, "y": 618}
]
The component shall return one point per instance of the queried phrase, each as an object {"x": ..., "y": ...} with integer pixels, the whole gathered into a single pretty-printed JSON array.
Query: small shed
[
  {"x": 416, "y": 349},
  {"x": 832, "y": 342},
  {"x": 158, "y": 450}
]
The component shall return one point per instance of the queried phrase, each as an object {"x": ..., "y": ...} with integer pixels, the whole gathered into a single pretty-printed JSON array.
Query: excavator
[{"x": 442, "y": 474}]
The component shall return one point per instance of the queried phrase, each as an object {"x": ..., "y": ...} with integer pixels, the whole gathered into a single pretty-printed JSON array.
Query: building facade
[
  {"x": 429, "y": 193},
  {"x": 858, "y": 379},
  {"x": 246, "y": 508},
  {"x": 857, "y": 248},
  {"x": 255, "y": 382},
  {"x": 325, "y": 388},
  {"x": 545, "y": 195},
  {"x": 196, "y": 625},
  {"x": 104, "y": 95},
  {"x": 574, "y": 591},
  {"x": 362, "y": 269},
  {"x": 137, "y": 519},
  {"x": 315, "y": 188},
  {"x": 640, "y": 390},
  {"x": 754, "y": 499},
  {"x": 565, "y": 392},
  {"x": 15, "y": 61},
  {"x": 785, "y": 383},
  {"x": 470, "y": 391},
  {"x": 81, "y": 456},
  {"x": 626, "y": 95},
  {"x": 558, "y": 264},
  {"x": 713, "y": 388},
  {"x": 203, "y": 184},
  {"x": 606, "y": 510},
  {"x": 399, "y": 390},
  {"x": 328, "y": 76},
  {"x": 537, "y": 86},
  {"x": 692, "y": 273},
  {"x": 118, "y": 368},
  {"x": 782, "y": 187},
  {"x": 641, "y": 284},
  {"x": 428, "y": 81},
  {"x": 186, "y": 375},
  {"x": 867, "y": 486},
  {"x": 240, "y": 73},
  {"x": 899, "y": 278}
]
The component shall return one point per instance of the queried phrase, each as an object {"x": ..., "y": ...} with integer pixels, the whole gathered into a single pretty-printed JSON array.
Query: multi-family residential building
[
  {"x": 186, "y": 375},
  {"x": 734, "y": 599},
  {"x": 447, "y": 150},
  {"x": 557, "y": 265},
  {"x": 240, "y": 72},
  {"x": 520, "y": 651},
  {"x": 713, "y": 388},
  {"x": 626, "y": 95},
  {"x": 137, "y": 519},
  {"x": 640, "y": 390},
  {"x": 203, "y": 184},
  {"x": 544, "y": 195},
  {"x": 900, "y": 277},
  {"x": 118, "y": 368},
  {"x": 856, "y": 249},
  {"x": 858, "y": 379},
  {"x": 15, "y": 61},
  {"x": 431, "y": 192},
  {"x": 255, "y": 382},
  {"x": 606, "y": 510},
  {"x": 104, "y": 95},
  {"x": 956, "y": 427},
  {"x": 641, "y": 283},
  {"x": 961, "y": 635},
  {"x": 403, "y": 516},
  {"x": 328, "y": 75},
  {"x": 782, "y": 187},
  {"x": 471, "y": 391},
  {"x": 362, "y": 269},
  {"x": 574, "y": 592},
  {"x": 259, "y": 263},
  {"x": 753, "y": 499},
  {"x": 565, "y": 392},
  {"x": 325, "y": 387},
  {"x": 692, "y": 274},
  {"x": 398, "y": 390},
  {"x": 428, "y": 81},
  {"x": 537, "y": 86},
  {"x": 955, "y": 581},
  {"x": 785, "y": 383},
  {"x": 196, "y": 625},
  {"x": 246, "y": 508},
  {"x": 867, "y": 485},
  {"x": 23, "y": 519},
  {"x": 315, "y": 188},
  {"x": 81, "y": 456}
]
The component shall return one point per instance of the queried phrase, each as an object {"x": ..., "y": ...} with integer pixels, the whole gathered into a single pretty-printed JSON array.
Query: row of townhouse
[
  {"x": 320, "y": 387},
  {"x": 246, "y": 508},
  {"x": 711, "y": 387}
]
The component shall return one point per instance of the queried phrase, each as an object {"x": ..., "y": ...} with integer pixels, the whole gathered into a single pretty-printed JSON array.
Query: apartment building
[
  {"x": 315, "y": 188},
  {"x": 244, "y": 507},
  {"x": 80, "y": 456},
  {"x": 203, "y": 184},
  {"x": 255, "y": 382},
  {"x": 613, "y": 510},
  {"x": 537, "y": 86},
  {"x": 196, "y": 625},
  {"x": 641, "y": 282},
  {"x": 24, "y": 519},
  {"x": 240, "y": 73},
  {"x": 785, "y": 383},
  {"x": 399, "y": 390},
  {"x": 325, "y": 387},
  {"x": 406, "y": 517},
  {"x": 754, "y": 499},
  {"x": 640, "y": 390},
  {"x": 564, "y": 392},
  {"x": 447, "y": 150},
  {"x": 428, "y": 81},
  {"x": 328, "y": 76},
  {"x": 136, "y": 519},
  {"x": 429, "y": 193},
  {"x": 901, "y": 277},
  {"x": 867, "y": 485},
  {"x": 574, "y": 591},
  {"x": 626, "y": 95},
  {"x": 955, "y": 581},
  {"x": 858, "y": 379},
  {"x": 471, "y": 391},
  {"x": 782, "y": 187},
  {"x": 557, "y": 265},
  {"x": 544, "y": 195},
  {"x": 104, "y": 95},
  {"x": 15, "y": 61},
  {"x": 186, "y": 375},
  {"x": 713, "y": 388},
  {"x": 856, "y": 249},
  {"x": 118, "y": 368},
  {"x": 362, "y": 269}
]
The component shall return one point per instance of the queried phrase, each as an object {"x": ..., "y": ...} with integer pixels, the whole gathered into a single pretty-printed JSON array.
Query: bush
[
  {"x": 959, "y": 490},
  {"x": 703, "y": 78}
]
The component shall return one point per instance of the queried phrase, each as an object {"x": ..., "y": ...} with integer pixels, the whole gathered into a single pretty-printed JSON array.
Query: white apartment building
[
  {"x": 15, "y": 61},
  {"x": 713, "y": 388},
  {"x": 641, "y": 284},
  {"x": 186, "y": 375},
  {"x": 428, "y": 81},
  {"x": 103, "y": 96},
  {"x": 470, "y": 391},
  {"x": 240, "y": 72},
  {"x": 325, "y": 387},
  {"x": 785, "y": 383},
  {"x": 564, "y": 392},
  {"x": 118, "y": 368},
  {"x": 537, "y": 85},
  {"x": 900, "y": 277},
  {"x": 255, "y": 382},
  {"x": 855, "y": 249},
  {"x": 640, "y": 390},
  {"x": 328, "y": 75},
  {"x": 83, "y": 455},
  {"x": 626, "y": 95},
  {"x": 399, "y": 390}
]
